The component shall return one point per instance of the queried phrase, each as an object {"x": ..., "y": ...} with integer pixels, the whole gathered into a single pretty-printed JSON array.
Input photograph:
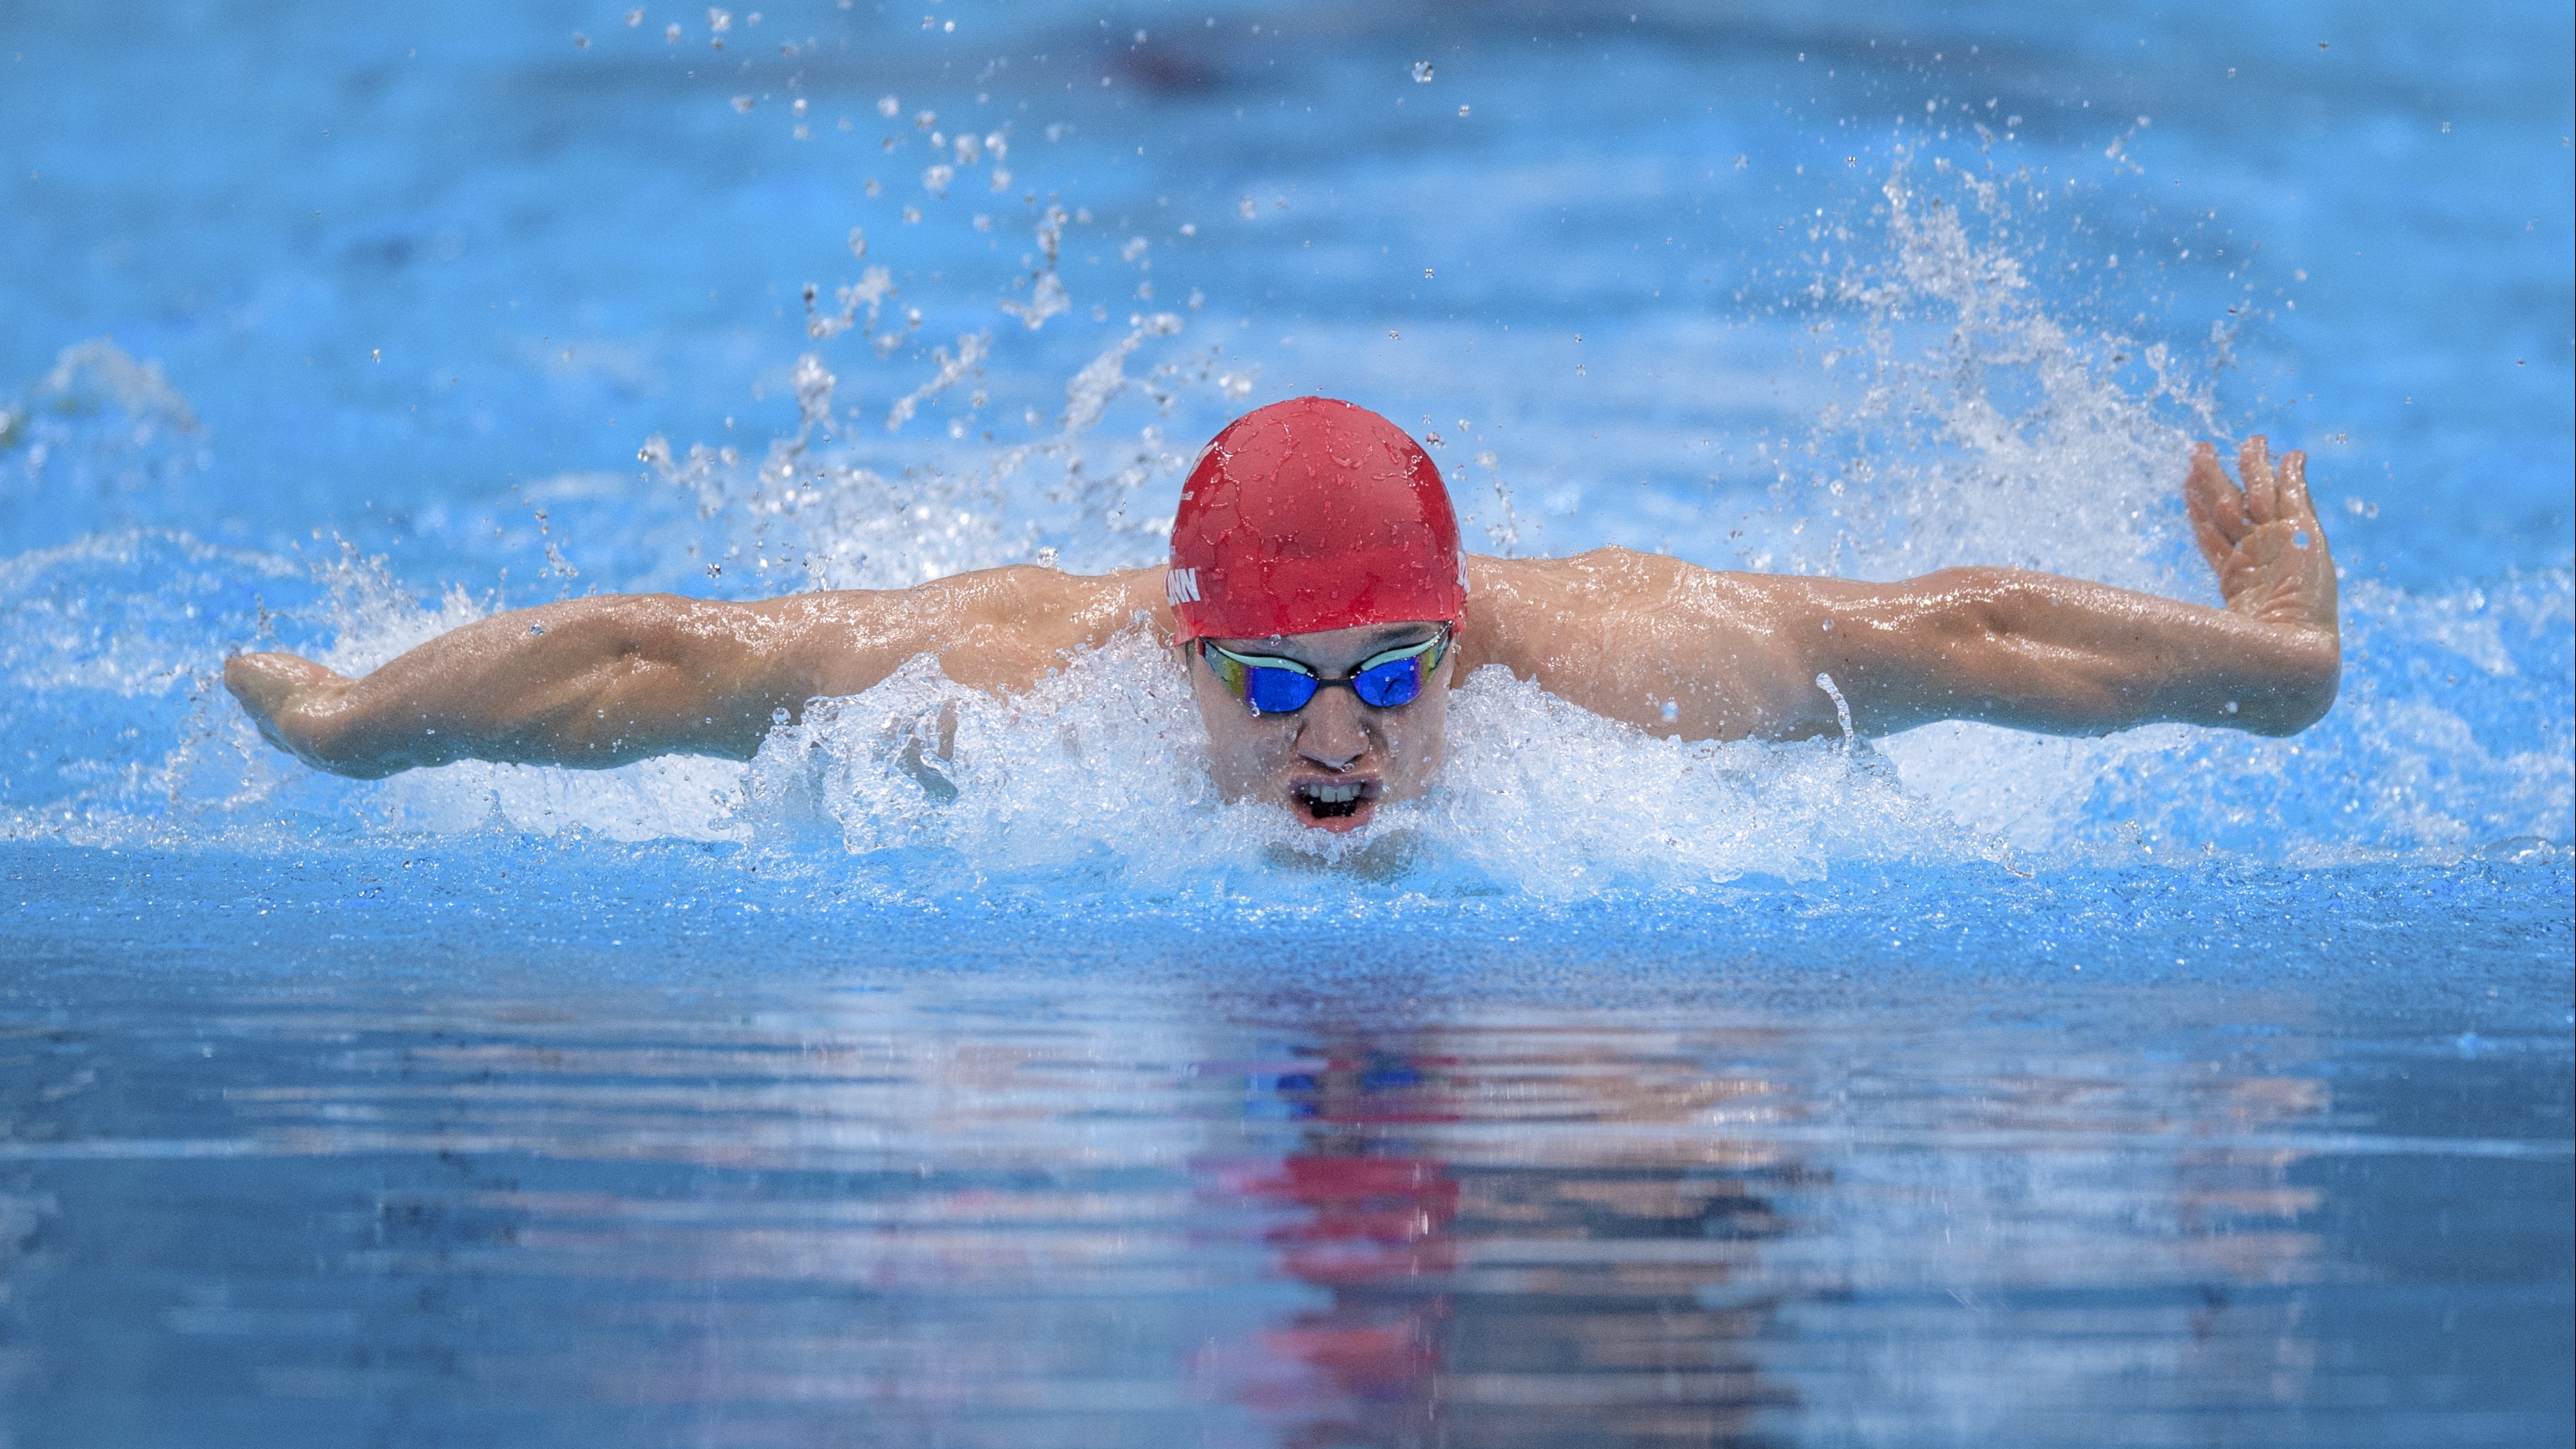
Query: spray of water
[{"x": 1976, "y": 425}]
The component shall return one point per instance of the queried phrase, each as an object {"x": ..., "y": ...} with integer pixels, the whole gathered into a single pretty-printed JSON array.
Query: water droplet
[{"x": 1422, "y": 72}]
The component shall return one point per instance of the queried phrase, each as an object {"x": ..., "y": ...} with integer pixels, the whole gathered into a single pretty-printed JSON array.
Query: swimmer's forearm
[
  {"x": 598, "y": 682},
  {"x": 586, "y": 683},
  {"x": 2064, "y": 656}
]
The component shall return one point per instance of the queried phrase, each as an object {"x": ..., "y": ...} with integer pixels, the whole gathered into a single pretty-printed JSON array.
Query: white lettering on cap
[{"x": 1181, "y": 586}]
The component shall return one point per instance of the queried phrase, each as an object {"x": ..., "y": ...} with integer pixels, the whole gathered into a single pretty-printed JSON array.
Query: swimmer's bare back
[{"x": 1670, "y": 647}]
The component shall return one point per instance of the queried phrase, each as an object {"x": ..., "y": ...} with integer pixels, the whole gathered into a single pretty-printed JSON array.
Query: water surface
[{"x": 1964, "y": 1088}]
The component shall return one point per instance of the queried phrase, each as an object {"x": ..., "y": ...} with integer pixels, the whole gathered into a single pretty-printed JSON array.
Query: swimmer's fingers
[
  {"x": 2216, "y": 508},
  {"x": 2262, "y": 487},
  {"x": 271, "y": 687},
  {"x": 2296, "y": 506}
]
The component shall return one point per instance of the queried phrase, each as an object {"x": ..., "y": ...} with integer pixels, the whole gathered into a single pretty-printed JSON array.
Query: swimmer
[{"x": 1319, "y": 602}]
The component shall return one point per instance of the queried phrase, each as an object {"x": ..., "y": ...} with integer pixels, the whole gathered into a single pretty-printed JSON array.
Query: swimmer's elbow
[{"x": 2306, "y": 681}]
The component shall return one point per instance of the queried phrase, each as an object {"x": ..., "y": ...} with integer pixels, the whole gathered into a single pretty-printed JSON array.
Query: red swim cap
[{"x": 1313, "y": 514}]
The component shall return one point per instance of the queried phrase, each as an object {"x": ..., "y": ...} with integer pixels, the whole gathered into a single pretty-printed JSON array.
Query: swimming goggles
[{"x": 1283, "y": 686}]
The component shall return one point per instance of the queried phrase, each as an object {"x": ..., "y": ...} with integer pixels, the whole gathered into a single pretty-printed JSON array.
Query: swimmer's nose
[{"x": 1329, "y": 731}]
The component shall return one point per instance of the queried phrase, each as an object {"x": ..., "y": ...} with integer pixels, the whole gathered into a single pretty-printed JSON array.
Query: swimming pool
[{"x": 1964, "y": 1089}]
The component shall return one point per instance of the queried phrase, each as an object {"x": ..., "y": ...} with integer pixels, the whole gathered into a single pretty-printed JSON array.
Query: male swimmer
[{"x": 1320, "y": 604}]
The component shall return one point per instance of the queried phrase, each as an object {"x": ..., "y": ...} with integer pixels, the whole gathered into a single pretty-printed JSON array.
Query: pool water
[{"x": 1956, "y": 1088}]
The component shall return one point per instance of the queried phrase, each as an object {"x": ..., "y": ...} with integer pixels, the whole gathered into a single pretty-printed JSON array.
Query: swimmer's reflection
[{"x": 1507, "y": 1260}]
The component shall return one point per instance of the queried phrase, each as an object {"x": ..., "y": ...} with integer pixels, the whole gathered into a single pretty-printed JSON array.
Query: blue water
[{"x": 1966, "y": 1089}]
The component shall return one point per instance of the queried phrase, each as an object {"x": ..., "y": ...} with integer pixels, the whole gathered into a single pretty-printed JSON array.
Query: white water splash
[
  {"x": 1981, "y": 428},
  {"x": 1101, "y": 771}
]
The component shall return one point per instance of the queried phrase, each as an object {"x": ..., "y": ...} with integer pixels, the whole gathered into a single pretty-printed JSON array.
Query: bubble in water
[
  {"x": 889, "y": 107},
  {"x": 634, "y": 18},
  {"x": 1422, "y": 72}
]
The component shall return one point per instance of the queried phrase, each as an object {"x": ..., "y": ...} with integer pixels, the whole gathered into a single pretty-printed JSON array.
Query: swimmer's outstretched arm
[
  {"x": 603, "y": 681},
  {"x": 1683, "y": 651}
]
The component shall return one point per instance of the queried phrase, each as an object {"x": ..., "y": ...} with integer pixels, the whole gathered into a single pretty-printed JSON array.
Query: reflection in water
[
  {"x": 1119, "y": 1218},
  {"x": 1482, "y": 1292}
]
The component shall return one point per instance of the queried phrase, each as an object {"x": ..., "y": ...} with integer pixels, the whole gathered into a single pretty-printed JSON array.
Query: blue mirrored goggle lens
[
  {"x": 1390, "y": 684},
  {"x": 1277, "y": 691}
]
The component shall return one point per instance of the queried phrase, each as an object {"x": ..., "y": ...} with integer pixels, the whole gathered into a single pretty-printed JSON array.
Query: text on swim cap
[{"x": 1181, "y": 586}]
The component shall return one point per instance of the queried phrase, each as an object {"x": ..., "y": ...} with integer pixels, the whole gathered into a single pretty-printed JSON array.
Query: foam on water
[{"x": 1972, "y": 421}]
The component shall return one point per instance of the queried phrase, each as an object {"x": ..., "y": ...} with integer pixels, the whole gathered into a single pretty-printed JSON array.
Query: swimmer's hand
[
  {"x": 2262, "y": 540},
  {"x": 292, "y": 700}
]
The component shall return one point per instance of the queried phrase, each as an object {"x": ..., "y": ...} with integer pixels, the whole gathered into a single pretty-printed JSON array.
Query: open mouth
[{"x": 1335, "y": 800}]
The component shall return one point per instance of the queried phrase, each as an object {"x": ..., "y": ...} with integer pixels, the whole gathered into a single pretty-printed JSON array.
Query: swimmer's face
[{"x": 1332, "y": 763}]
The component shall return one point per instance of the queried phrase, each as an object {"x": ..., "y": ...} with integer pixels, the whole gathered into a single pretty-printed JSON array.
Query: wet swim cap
[{"x": 1313, "y": 514}]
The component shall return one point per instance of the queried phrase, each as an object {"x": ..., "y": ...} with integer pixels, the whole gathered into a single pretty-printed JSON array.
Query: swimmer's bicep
[
  {"x": 996, "y": 630},
  {"x": 1744, "y": 651},
  {"x": 1798, "y": 650}
]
